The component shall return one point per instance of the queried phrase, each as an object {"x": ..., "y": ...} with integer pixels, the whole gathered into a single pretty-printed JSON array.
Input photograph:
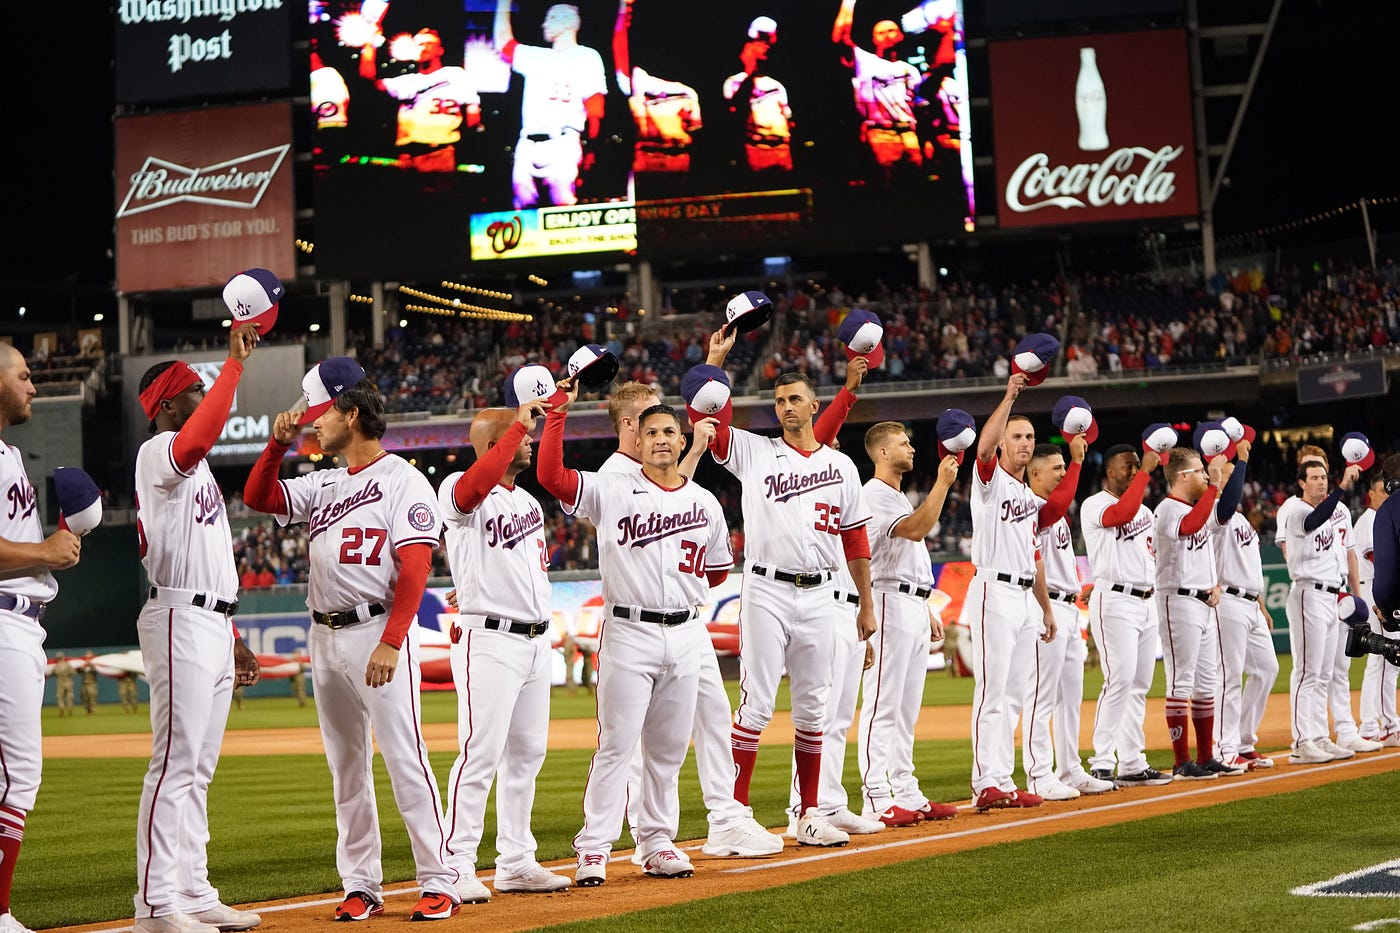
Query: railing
[{"x": 1279, "y": 364}]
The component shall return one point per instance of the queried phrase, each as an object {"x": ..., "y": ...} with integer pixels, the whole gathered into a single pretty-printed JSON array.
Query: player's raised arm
[
  {"x": 493, "y": 458},
  {"x": 833, "y": 417},
  {"x": 1058, "y": 504},
  {"x": 262, "y": 492},
  {"x": 201, "y": 431},
  {"x": 995, "y": 425},
  {"x": 841, "y": 29},
  {"x": 705, "y": 431},
  {"x": 558, "y": 480},
  {"x": 916, "y": 525},
  {"x": 622, "y": 55},
  {"x": 501, "y": 31}
]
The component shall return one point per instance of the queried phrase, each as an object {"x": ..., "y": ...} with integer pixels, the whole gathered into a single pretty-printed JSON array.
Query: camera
[{"x": 1361, "y": 641}]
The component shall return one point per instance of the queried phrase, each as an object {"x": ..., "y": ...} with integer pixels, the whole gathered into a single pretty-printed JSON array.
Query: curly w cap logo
[{"x": 239, "y": 182}]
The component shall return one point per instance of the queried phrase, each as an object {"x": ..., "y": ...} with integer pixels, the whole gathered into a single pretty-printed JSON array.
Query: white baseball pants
[
  {"x": 998, "y": 616},
  {"x": 1124, "y": 628},
  {"x": 784, "y": 628},
  {"x": 1247, "y": 651},
  {"x": 1069, "y": 703},
  {"x": 847, "y": 660},
  {"x": 1378, "y": 684},
  {"x": 1190, "y": 647},
  {"x": 1044, "y": 687},
  {"x": 894, "y": 694},
  {"x": 1339, "y": 689},
  {"x": 1312, "y": 640},
  {"x": 22, "y": 664}
]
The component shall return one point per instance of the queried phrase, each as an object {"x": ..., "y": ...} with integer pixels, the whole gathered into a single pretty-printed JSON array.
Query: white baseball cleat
[
  {"x": 592, "y": 869},
  {"x": 1391, "y": 740},
  {"x": 1336, "y": 751},
  {"x": 848, "y": 822},
  {"x": 1086, "y": 783},
  {"x": 534, "y": 880},
  {"x": 1054, "y": 790},
  {"x": 742, "y": 838},
  {"x": 667, "y": 863},
  {"x": 1308, "y": 752},
  {"x": 172, "y": 923},
  {"x": 8, "y": 924},
  {"x": 1358, "y": 743},
  {"x": 815, "y": 830},
  {"x": 227, "y": 919},
  {"x": 470, "y": 889}
]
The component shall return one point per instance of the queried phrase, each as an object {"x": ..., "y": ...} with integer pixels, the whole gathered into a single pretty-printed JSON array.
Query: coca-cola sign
[{"x": 1083, "y": 136}]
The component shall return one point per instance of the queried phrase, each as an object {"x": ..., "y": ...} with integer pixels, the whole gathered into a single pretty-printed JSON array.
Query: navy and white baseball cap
[
  {"x": 79, "y": 500},
  {"x": 956, "y": 433},
  {"x": 1033, "y": 356},
  {"x": 862, "y": 333},
  {"x": 1211, "y": 440},
  {"x": 764, "y": 27},
  {"x": 325, "y": 382},
  {"x": 706, "y": 391},
  {"x": 1073, "y": 416},
  {"x": 252, "y": 297},
  {"x": 1237, "y": 431},
  {"x": 1159, "y": 438},
  {"x": 1352, "y": 610},
  {"x": 747, "y": 311},
  {"x": 531, "y": 384},
  {"x": 592, "y": 366},
  {"x": 1356, "y": 448}
]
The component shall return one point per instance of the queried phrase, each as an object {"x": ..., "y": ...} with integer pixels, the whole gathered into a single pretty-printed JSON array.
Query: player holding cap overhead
[
  {"x": 663, "y": 544},
  {"x": 804, "y": 513},
  {"x": 1187, "y": 592},
  {"x": 500, "y": 653},
  {"x": 1007, "y": 594},
  {"x": 190, "y": 647},
  {"x": 759, "y": 102},
  {"x": 372, "y": 528},
  {"x": 27, "y": 587},
  {"x": 1117, "y": 530},
  {"x": 1378, "y": 719}
]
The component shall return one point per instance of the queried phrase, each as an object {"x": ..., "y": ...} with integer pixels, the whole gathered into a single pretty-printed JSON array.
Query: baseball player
[
  {"x": 500, "y": 653},
  {"x": 901, "y": 582},
  {"x": 1187, "y": 591},
  {"x": 733, "y": 830},
  {"x": 1385, "y": 540},
  {"x": 759, "y": 102},
  {"x": 666, "y": 113},
  {"x": 1056, "y": 686},
  {"x": 434, "y": 102},
  {"x": 190, "y": 647},
  {"x": 886, "y": 91},
  {"x": 27, "y": 586},
  {"x": 561, "y": 106},
  {"x": 1312, "y": 545},
  {"x": 666, "y": 545},
  {"x": 372, "y": 527},
  {"x": 1117, "y": 530},
  {"x": 1379, "y": 721},
  {"x": 1242, "y": 621},
  {"x": 804, "y": 514}
]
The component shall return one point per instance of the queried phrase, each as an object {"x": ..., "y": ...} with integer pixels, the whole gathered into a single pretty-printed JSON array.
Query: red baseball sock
[
  {"x": 1176, "y": 727},
  {"x": 807, "y": 747},
  {"x": 745, "y": 744},
  {"x": 11, "y": 834},
  {"x": 1203, "y": 718}
]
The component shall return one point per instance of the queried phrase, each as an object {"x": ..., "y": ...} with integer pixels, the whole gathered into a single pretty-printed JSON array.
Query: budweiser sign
[
  {"x": 1131, "y": 175},
  {"x": 239, "y": 182}
]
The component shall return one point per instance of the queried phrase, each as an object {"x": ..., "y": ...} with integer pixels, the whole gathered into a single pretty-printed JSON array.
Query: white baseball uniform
[
  {"x": 884, "y": 90},
  {"x": 1313, "y": 565},
  {"x": 187, "y": 649},
  {"x": 24, "y": 597},
  {"x": 1339, "y": 687},
  {"x": 1186, "y": 561},
  {"x": 1002, "y": 616},
  {"x": 356, "y": 520},
  {"x": 901, "y": 579},
  {"x": 1246, "y": 645},
  {"x": 432, "y": 105},
  {"x": 553, "y": 119},
  {"x": 655, "y": 549},
  {"x": 1378, "y": 683},
  {"x": 1123, "y": 622},
  {"x": 768, "y": 128},
  {"x": 666, "y": 113},
  {"x": 500, "y": 658}
]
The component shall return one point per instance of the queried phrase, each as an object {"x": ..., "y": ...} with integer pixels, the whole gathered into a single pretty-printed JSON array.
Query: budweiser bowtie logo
[{"x": 239, "y": 182}]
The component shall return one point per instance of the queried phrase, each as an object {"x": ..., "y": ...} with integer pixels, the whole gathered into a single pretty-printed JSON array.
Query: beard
[{"x": 16, "y": 410}]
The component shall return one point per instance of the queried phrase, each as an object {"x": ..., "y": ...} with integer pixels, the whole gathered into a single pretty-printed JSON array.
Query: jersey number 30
[
  {"x": 362, "y": 545},
  {"x": 692, "y": 558}
]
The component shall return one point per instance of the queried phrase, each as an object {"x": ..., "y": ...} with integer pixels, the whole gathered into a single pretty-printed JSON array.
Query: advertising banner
[{"x": 1329, "y": 382}]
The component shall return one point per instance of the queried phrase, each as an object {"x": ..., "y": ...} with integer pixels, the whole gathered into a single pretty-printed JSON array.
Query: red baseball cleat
[{"x": 991, "y": 797}]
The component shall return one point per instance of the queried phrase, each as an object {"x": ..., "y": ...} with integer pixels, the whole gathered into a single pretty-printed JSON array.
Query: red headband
[{"x": 168, "y": 384}]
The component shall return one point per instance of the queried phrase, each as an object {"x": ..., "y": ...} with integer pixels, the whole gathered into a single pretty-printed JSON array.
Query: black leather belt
[
  {"x": 34, "y": 610},
  {"x": 659, "y": 618},
  {"x": 1240, "y": 592},
  {"x": 545, "y": 137},
  {"x": 1063, "y": 597},
  {"x": 1334, "y": 590},
  {"x": 1202, "y": 595},
  {"x": 1131, "y": 590},
  {"x": 222, "y": 606},
  {"x": 800, "y": 580},
  {"x": 1024, "y": 583},
  {"x": 923, "y": 592},
  {"x": 528, "y": 629},
  {"x": 342, "y": 619},
  {"x": 852, "y": 598}
]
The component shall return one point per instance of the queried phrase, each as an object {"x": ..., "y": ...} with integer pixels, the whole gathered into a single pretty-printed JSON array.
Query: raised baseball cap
[
  {"x": 747, "y": 311},
  {"x": 706, "y": 392},
  {"x": 531, "y": 384},
  {"x": 1159, "y": 437},
  {"x": 252, "y": 297},
  {"x": 1073, "y": 416},
  {"x": 763, "y": 27},
  {"x": 1237, "y": 431},
  {"x": 79, "y": 500},
  {"x": 325, "y": 382},
  {"x": 1211, "y": 440},
  {"x": 862, "y": 333},
  {"x": 1352, "y": 610},
  {"x": 592, "y": 366},
  {"x": 1356, "y": 448},
  {"x": 956, "y": 433},
  {"x": 1033, "y": 356}
]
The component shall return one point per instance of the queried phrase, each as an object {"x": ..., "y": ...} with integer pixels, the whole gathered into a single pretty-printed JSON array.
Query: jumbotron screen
[{"x": 451, "y": 132}]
